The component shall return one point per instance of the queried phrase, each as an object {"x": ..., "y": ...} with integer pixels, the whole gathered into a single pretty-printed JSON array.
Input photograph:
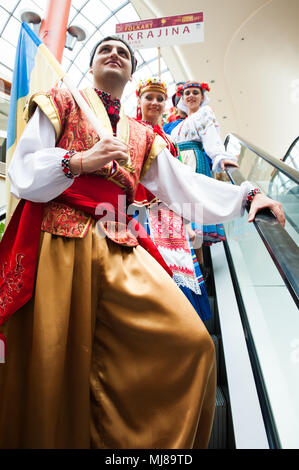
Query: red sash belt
[{"x": 20, "y": 243}]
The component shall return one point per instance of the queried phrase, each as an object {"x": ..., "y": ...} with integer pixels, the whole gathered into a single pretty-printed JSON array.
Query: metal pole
[
  {"x": 54, "y": 26},
  {"x": 159, "y": 62}
]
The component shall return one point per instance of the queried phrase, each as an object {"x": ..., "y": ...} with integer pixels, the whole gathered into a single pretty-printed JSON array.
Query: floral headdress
[
  {"x": 151, "y": 84},
  {"x": 203, "y": 86}
]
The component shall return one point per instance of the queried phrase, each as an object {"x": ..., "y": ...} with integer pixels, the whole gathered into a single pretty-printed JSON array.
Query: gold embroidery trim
[
  {"x": 158, "y": 145},
  {"x": 123, "y": 132},
  {"x": 111, "y": 178},
  {"x": 99, "y": 109},
  {"x": 46, "y": 103}
]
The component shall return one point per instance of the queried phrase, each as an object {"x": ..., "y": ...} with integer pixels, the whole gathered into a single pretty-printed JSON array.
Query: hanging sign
[{"x": 167, "y": 31}]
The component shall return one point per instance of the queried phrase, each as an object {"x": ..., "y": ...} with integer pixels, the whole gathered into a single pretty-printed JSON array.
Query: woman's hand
[
  {"x": 191, "y": 232},
  {"x": 107, "y": 149},
  {"x": 260, "y": 201},
  {"x": 223, "y": 164}
]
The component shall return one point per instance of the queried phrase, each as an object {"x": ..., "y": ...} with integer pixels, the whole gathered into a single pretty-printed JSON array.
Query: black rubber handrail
[
  {"x": 281, "y": 247},
  {"x": 281, "y": 166}
]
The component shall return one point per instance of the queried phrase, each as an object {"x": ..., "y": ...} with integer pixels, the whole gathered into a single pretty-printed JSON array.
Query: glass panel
[
  {"x": 108, "y": 28},
  {"x": 41, "y": 4},
  {"x": 86, "y": 81},
  {"x": 115, "y": 4},
  {"x": 9, "y": 5},
  {"x": 96, "y": 11},
  {"x": 5, "y": 72},
  {"x": 272, "y": 182},
  {"x": 293, "y": 158},
  {"x": 8, "y": 53},
  {"x": 274, "y": 323},
  {"x": 3, "y": 18},
  {"x": 81, "y": 21},
  {"x": 286, "y": 191},
  {"x": 75, "y": 73},
  {"x": 38, "y": 7},
  {"x": 73, "y": 13},
  {"x": 127, "y": 14},
  {"x": 78, "y": 4},
  {"x": 11, "y": 30},
  {"x": 82, "y": 60}
]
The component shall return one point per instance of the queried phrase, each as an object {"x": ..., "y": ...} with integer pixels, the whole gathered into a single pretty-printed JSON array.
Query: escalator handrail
[
  {"x": 290, "y": 149},
  {"x": 278, "y": 164},
  {"x": 281, "y": 247}
]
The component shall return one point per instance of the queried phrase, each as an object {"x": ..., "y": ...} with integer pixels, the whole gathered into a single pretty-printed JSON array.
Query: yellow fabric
[
  {"x": 98, "y": 107},
  {"x": 11, "y": 200},
  {"x": 46, "y": 104},
  {"x": 122, "y": 128},
  {"x": 159, "y": 144},
  {"x": 108, "y": 354}
]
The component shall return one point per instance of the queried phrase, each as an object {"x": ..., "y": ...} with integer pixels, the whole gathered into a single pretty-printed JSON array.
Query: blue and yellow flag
[{"x": 35, "y": 70}]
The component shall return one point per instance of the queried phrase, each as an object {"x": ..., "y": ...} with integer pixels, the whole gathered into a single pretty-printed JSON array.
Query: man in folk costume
[{"x": 103, "y": 349}]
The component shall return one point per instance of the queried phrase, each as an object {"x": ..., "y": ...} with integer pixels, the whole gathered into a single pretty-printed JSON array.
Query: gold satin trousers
[{"x": 107, "y": 354}]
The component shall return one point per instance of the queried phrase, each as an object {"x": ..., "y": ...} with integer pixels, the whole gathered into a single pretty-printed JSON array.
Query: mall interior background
[{"x": 249, "y": 57}]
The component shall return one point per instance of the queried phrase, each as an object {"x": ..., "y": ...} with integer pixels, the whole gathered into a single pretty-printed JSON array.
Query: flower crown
[
  {"x": 179, "y": 90},
  {"x": 204, "y": 86},
  {"x": 151, "y": 84}
]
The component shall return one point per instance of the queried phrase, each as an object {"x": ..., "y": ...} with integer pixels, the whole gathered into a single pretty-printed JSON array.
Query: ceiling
[
  {"x": 250, "y": 58},
  {"x": 98, "y": 19}
]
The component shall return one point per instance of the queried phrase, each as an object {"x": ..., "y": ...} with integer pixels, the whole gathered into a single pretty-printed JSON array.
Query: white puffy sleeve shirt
[
  {"x": 203, "y": 127},
  {"x": 36, "y": 174}
]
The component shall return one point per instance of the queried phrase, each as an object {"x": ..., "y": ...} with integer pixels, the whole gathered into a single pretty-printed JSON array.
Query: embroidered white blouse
[
  {"x": 36, "y": 174},
  {"x": 203, "y": 127}
]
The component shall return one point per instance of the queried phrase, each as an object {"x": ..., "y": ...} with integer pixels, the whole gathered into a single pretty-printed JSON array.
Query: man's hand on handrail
[{"x": 261, "y": 201}]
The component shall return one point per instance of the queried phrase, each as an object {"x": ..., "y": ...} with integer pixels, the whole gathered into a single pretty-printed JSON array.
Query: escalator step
[{"x": 218, "y": 438}]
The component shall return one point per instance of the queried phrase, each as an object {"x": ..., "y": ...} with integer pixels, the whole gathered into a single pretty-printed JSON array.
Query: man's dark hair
[{"x": 115, "y": 38}]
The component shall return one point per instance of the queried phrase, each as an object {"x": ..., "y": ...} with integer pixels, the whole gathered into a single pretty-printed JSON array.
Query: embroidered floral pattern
[
  {"x": 118, "y": 233},
  {"x": 112, "y": 107},
  {"x": 60, "y": 219},
  {"x": 167, "y": 229},
  {"x": 251, "y": 195},
  {"x": 78, "y": 135},
  {"x": 65, "y": 163},
  {"x": 12, "y": 281}
]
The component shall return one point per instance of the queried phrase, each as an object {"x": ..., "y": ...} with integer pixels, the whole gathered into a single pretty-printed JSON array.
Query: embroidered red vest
[{"x": 74, "y": 132}]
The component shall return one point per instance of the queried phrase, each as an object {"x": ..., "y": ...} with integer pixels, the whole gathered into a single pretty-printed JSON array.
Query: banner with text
[{"x": 167, "y": 31}]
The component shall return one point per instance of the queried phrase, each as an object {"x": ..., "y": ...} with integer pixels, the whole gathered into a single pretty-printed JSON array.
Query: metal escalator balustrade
[
  {"x": 292, "y": 154},
  {"x": 276, "y": 178},
  {"x": 265, "y": 266}
]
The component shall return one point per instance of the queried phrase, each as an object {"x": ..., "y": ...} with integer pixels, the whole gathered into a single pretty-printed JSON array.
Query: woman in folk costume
[
  {"x": 165, "y": 227},
  {"x": 177, "y": 114},
  {"x": 201, "y": 147}
]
